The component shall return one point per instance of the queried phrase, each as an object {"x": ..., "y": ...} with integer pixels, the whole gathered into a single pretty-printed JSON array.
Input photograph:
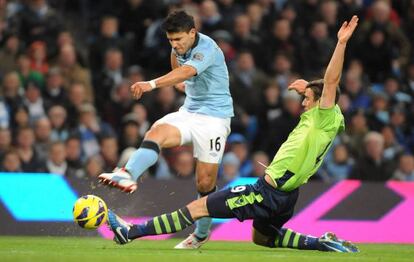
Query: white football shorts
[{"x": 208, "y": 134}]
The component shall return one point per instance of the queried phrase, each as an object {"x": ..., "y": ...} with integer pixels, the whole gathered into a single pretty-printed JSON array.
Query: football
[{"x": 90, "y": 212}]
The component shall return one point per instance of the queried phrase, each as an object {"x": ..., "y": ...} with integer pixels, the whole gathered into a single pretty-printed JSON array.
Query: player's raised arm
[{"x": 334, "y": 69}]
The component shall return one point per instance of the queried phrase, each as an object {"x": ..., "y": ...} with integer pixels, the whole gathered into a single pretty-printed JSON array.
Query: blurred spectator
[
  {"x": 5, "y": 141},
  {"x": 37, "y": 21},
  {"x": 243, "y": 37},
  {"x": 26, "y": 73},
  {"x": 76, "y": 98},
  {"x": 42, "y": 130},
  {"x": 11, "y": 162},
  {"x": 409, "y": 80},
  {"x": 230, "y": 167},
  {"x": 392, "y": 149},
  {"x": 8, "y": 54},
  {"x": 405, "y": 169},
  {"x": 20, "y": 118},
  {"x": 229, "y": 9},
  {"x": 270, "y": 109},
  {"x": 328, "y": 10},
  {"x": 282, "y": 68},
  {"x": 210, "y": 17},
  {"x": 156, "y": 49},
  {"x": 94, "y": 166},
  {"x": 109, "y": 152},
  {"x": 238, "y": 145},
  {"x": 135, "y": 73},
  {"x": 255, "y": 12},
  {"x": 140, "y": 113},
  {"x": 73, "y": 156},
  {"x": 244, "y": 123},
  {"x": 378, "y": 116},
  {"x": 56, "y": 160},
  {"x": 344, "y": 103},
  {"x": 376, "y": 53},
  {"x": 65, "y": 37},
  {"x": 165, "y": 102},
  {"x": 348, "y": 8},
  {"x": 120, "y": 104},
  {"x": 372, "y": 166},
  {"x": 357, "y": 70},
  {"x": 38, "y": 57},
  {"x": 289, "y": 12},
  {"x": 72, "y": 72},
  {"x": 316, "y": 50},
  {"x": 108, "y": 38},
  {"x": 55, "y": 92},
  {"x": 11, "y": 91},
  {"x": 4, "y": 114},
  {"x": 30, "y": 161},
  {"x": 34, "y": 102},
  {"x": 355, "y": 132},
  {"x": 225, "y": 41},
  {"x": 404, "y": 131},
  {"x": 247, "y": 83},
  {"x": 306, "y": 13},
  {"x": 57, "y": 115},
  {"x": 90, "y": 129},
  {"x": 130, "y": 134},
  {"x": 380, "y": 19},
  {"x": 135, "y": 17},
  {"x": 356, "y": 91},
  {"x": 280, "y": 125},
  {"x": 108, "y": 78},
  {"x": 260, "y": 162},
  {"x": 337, "y": 167},
  {"x": 393, "y": 90},
  {"x": 183, "y": 166}
]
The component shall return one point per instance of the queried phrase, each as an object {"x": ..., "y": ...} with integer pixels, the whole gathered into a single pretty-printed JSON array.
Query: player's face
[
  {"x": 182, "y": 41},
  {"x": 309, "y": 100}
]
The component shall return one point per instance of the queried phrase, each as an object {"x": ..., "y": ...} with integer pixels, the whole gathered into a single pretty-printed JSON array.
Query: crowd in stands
[{"x": 66, "y": 67}]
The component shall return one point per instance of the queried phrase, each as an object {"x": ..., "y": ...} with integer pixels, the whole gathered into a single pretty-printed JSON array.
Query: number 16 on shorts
[{"x": 215, "y": 144}]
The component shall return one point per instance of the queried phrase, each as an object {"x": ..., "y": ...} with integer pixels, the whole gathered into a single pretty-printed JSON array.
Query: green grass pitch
[{"x": 87, "y": 249}]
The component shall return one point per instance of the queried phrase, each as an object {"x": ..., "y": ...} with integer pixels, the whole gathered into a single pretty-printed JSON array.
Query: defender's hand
[
  {"x": 347, "y": 29},
  {"x": 139, "y": 88},
  {"x": 299, "y": 86}
]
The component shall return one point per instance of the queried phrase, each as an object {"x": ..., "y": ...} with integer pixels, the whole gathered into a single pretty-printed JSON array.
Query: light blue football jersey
[{"x": 207, "y": 92}]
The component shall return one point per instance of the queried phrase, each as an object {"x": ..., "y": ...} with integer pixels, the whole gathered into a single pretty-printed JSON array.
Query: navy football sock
[{"x": 164, "y": 224}]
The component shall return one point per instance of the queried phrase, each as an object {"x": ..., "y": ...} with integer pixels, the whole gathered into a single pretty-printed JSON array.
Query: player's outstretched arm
[
  {"x": 176, "y": 76},
  {"x": 334, "y": 69}
]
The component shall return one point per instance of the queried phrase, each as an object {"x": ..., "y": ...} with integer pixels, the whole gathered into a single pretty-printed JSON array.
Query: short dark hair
[
  {"x": 178, "y": 21},
  {"x": 317, "y": 87}
]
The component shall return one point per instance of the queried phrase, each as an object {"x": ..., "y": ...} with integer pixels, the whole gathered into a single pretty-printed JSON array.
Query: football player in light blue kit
[{"x": 199, "y": 68}]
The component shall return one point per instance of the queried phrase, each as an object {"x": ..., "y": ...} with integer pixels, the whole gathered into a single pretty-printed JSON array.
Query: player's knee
[
  {"x": 205, "y": 184},
  {"x": 151, "y": 133},
  {"x": 155, "y": 134},
  {"x": 198, "y": 208}
]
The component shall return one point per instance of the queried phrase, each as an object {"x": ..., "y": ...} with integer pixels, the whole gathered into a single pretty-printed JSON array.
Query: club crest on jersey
[{"x": 198, "y": 56}]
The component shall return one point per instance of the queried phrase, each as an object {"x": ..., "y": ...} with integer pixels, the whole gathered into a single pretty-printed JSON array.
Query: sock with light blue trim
[
  {"x": 143, "y": 158},
  {"x": 203, "y": 225}
]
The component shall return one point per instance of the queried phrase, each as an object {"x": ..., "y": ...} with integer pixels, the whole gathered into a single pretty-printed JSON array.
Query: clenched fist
[{"x": 139, "y": 88}]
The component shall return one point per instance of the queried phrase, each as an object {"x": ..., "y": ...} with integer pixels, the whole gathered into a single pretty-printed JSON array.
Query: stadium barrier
[{"x": 41, "y": 204}]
